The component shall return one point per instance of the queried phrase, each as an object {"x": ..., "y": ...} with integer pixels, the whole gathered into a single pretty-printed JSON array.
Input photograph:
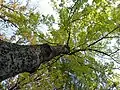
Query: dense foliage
[{"x": 90, "y": 29}]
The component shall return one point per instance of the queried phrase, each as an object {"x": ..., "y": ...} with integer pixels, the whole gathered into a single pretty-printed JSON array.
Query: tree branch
[
  {"x": 113, "y": 37},
  {"x": 9, "y": 8},
  {"x": 115, "y": 51},
  {"x": 68, "y": 38},
  {"x": 103, "y": 36},
  {"x": 7, "y": 20},
  {"x": 99, "y": 52},
  {"x": 89, "y": 49}
]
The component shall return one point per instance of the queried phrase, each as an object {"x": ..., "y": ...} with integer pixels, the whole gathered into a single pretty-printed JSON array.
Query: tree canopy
[{"x": 90, "y": 28}]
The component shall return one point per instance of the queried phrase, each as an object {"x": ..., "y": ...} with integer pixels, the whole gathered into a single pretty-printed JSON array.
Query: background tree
[{"x": 92, "y": 32}]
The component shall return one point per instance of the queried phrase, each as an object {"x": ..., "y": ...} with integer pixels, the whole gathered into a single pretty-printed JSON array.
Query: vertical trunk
[{"x": 15, "y": 59}]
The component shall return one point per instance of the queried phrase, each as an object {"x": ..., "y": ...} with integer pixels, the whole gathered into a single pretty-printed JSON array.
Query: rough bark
[{"x": 15, "y": 59}]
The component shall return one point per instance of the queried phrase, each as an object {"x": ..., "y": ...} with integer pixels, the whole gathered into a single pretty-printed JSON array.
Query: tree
[
  {"x": 15, "y": 59},
  {"x": 81, "y": 54}
]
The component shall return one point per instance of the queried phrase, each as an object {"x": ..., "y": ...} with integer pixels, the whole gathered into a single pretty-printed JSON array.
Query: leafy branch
[
  {"x": 77, "y": 50},
  {"x": 68, "y": 38},
  {"x": 103, "y": 36},
  {"x": 8, "y": 8},
  {"x": 73, "y": 10},
  {"x": 98, "y": 51},
  {"x": 7, "y": 20}
]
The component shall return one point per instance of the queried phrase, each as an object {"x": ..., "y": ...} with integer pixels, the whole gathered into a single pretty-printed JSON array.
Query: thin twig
[
  {"x": 9, "y": 8},
  {"x": 89, "y": 49},
  {"x": 75, "y": 51},
  {"x": 113, "y": 37},
  {"x": 103, "y": 36},
  {"x": 7, "y": 20},
  {"x": 70, "y": 22},
  {"x": 68, "y": 38},
  {"x": 115, "y": 51}
]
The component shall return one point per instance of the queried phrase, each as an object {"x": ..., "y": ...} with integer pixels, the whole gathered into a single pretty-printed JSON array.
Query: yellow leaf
[
  {"x": 1, "y": 37},
  {"x": 1, "y": 2}
]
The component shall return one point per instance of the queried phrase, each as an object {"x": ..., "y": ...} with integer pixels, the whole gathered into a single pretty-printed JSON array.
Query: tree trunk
[{"x": 15, "y": 59}]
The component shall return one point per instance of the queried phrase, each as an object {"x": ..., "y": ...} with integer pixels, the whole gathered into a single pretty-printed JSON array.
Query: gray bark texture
[{"x": 15, "y": 59}]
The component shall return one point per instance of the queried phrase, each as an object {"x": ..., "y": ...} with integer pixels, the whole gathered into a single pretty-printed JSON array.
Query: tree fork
[{"x": 15, "y": 59}]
